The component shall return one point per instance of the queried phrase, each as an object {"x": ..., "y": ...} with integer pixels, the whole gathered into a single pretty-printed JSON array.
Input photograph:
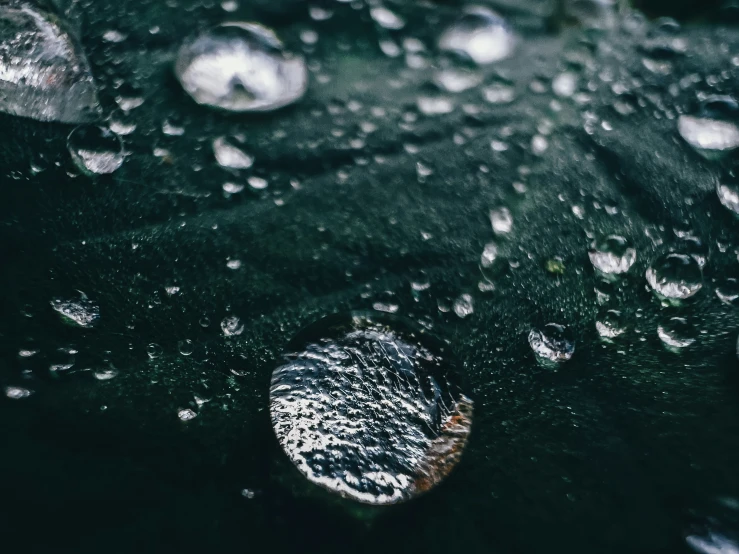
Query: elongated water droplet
[
  {"x": 240, "y": 67},
  {"x": 552, "y": 344},
  {"x": 80, "y": 310},
  {"x": 714, "y": 130}
]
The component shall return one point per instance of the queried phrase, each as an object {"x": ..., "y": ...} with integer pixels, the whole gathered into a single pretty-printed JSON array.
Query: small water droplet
[
  {"x": 612, "y": 255},
  {"x": 105, "y": 374},
  {"x": 552, "y": 344},
  {"x": 95, "y": 150},
  {"x": 610, "y": 324},
  {"x": 186, "y": 415},
  {"x": 232, "y": 326},
  {"x": 154, "y": 351},
  {"x": 464, "y": 305},
  {"x": 257, "y": 183},
  {"x": 386, "y": 18},
  {"x": 675, "y": 276},
  {"x": 17, "y": 393},
  {"x": 728, "y": 194},
  {"x": 728, "y": 291},
  {"x": 230, "y": 156},
  {"x": 185, "y": 347},
  {"x": 240, "y": 67},
  {"x": 501, "y": 220}
]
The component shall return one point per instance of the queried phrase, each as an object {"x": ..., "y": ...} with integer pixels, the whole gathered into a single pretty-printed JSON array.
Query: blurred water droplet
[
  {"x": 434, "y": 104},
  {"x": 232, "y": 326},
  {"x": 565, "y": 84},
  {"x": 713, "y": 131},
  {"x": 79, "y": 311},
  {"x": 386, "y": 18},
  {"x": 728, "y": 194},
  {"x": 240, "y": 67},
  {"x": 233, "y": 264},
  {"x": 610, "y": 324},
  {"x": 230, "y": 156},
  {"x": 612, "y": 255},
  {"x": 552, "y": 344},
  {"x": 368, "y": 408},
  {"x": 499, "y": 93},
  {"x": 501, "y": 220},
  {"x": 95, "y": 150},
  {"x": 17, "y": 393},
  {"x": 676, "y": 333},
  {"x": 257, "y": 183},
  {"x": 464, "y": 305},
  {"x": 675, "y": 276},
  {"x": 186, "y": 415},
  {"x": 45, "y": 74},
  {"x": 455, "y": 79},
  {"x": 480, "y": 35}
]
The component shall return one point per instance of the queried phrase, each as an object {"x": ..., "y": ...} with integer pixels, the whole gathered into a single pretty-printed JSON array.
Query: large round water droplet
[
  {"x": 612, "y": 255},
  {"x": 240, "y": 67},
  {"x": 479, "y": 34},
  {"x": 366, "y": 406},
  {"x": 44, "y": 74},
  {"x": 675, "y": 276},
  {"x": 79, "y": 311},
  {"x": 714, "y": 130},
  {"x": 610, "y": 324},
  {"x": 95, "y": 150},
  {"x": 552, "y": 344}
]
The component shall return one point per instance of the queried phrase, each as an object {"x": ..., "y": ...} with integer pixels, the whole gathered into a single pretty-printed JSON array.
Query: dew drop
[
  {"x": 501, "y": 220},
  {"x": 386, "y": 18},
  {"x": 728, "y": 195},
  {"x": 675, "y": 276},
  {"x": 480, "y": 35},
  {"x": 186, "y": 415},
  {"x": 552, "y": 344},
  {"x": 240, "y": 67},
  {"x": 95, "y": 150},
  {"x": 17, "y": 393},
  {"x": 610, "y": 324},
  {"x": 154, "y": 351},
  {"x": 366, "y": 406},
  {"x": 185, "y": 347},
  {"x": 464, "y": 306},
  {"x": 728, "y": 291}
]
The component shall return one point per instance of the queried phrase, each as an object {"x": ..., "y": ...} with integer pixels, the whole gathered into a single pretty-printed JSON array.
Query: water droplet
[
  {"x": 612, "y": 255},
  {"x": 17, "y": 393},
  {"x": 79, "y": 311},
  {"x": 713, "y": 132},
  {"x": 728, "y": 195},
  {"x": 95, "y": 150},
  {"x": 232, "y": 188},
  {"x": 480, "y": 35},
  {"x": 387, "y": 19},
  {"x": 248, "y": 493},
  {"x": 45, "y": 74},
  {"x": 154, "y": 351},
  {"x": 185, "y": 347},
  {"x": 240, "y": 67},
  {"x": 257, "y": 183},
  {"x": 728, "y": 291},
  {"x": 565, "y": 84},
  {"x": 501, "y": 220},
  {"x": 675, "y": 276},
  {"x": 499, "y": 93},
  {"x": 455, "y": 79},
  {"x": 434, "y": 105},
  {"x": 233, "y": 264},
  {"x": 464, "y": 305},
  {"x": 676, "y": 333},
  {"x": 105, "y": 374},
  {"x": 552, "y": 344},
  {"x": 610, "y": 324},
  {"x": 186, "y": 415},
  {"x": 366, "y": 406},
  {"x": 231, "y": 156},
  {"x": 232, "y": 326}
]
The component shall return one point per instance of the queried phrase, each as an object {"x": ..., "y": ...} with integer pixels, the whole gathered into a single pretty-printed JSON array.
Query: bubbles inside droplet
[{"x": 365, "y": 406}]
